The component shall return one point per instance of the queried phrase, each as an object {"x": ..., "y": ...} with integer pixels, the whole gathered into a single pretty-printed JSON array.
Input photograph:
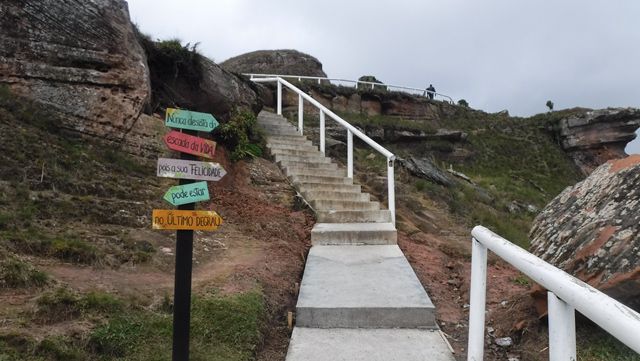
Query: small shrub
[
  {"x": 421, "y": 184},
  {"x": 522, "y": 280},
  {"x": 61, "y": 304},
  {"x": 241, "y": 135},
  {"x": 463, "y": 103},
  {"x": 59, "y": 349},
  {"x": 15, "y": 273},
  {"x": 117, "y": 337},
  {"x": 101, "y": 302},
  {"x": 74, "y": 250}
]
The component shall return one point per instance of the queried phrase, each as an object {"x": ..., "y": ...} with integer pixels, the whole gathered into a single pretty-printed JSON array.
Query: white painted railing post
[
  {"x": 300, "y": 113},
  {"x": 477, "y": 301},
  {"x": 349, "y": 154},
  {"x": 319, "y": 81},
  {"x": 322, "y": 131},
  {"x": 391, "y": 185},
  {"x": 562, "y": 329},
  {"x": 279, "y": 100}
]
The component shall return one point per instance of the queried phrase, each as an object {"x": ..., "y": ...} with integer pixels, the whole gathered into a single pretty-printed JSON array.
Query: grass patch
[
  {"x": 222, "y": 328},
  {"x": 63, "y": 304},
  {"x": 594, "y": 344},
  {"x": 15, "y": 273}
]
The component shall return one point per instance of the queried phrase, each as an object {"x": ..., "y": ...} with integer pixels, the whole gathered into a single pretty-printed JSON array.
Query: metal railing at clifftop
[
  {"x": 566, "y": 294},
  {"x": 351, "y": 131},
  {"x": 337, "y": 81}
]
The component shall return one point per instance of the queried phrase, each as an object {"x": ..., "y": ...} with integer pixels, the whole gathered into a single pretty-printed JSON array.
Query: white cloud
[{"x": 497, "y": 54}]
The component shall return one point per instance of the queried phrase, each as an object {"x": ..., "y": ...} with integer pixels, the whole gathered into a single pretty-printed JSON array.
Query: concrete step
[
  {"x": 321, "y": 179},
  {"x": 332, "y": 195},
  {"x": 304, "y": 152},
  {"x": 314, "y": 186},
  {"x": 286, "y": 164},
  {"x": 298, "y": 158},
  {"x": 292, "y": 146},
  {"x": 361, "y": 287},
  {"x": 298, "y": 171},
  {"x": 332, "y": 204},
  {"x": 340, "y": 344},
  {"x": 353, "y": 234},
  {"x": 350, "y": 216},
  {"x": 287, "y": 139},
  {"x": 280, "y": 132}
]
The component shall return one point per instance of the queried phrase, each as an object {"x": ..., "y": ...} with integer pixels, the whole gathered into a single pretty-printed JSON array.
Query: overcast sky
[{"x": 496, "y": 54}]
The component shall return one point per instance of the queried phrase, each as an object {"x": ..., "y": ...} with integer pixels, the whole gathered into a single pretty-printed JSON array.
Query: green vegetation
[
  {"x": 223, "y": 328},
  {"x": 594, "y": 344},
  {"x": 15, "y": 273},
  {"x": 55, "y": 184},
  {"x": 241, "y": 136},
  {"x": 463, "y": 103}
]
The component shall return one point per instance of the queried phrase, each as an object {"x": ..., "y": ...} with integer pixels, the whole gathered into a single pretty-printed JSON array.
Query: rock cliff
[
  {"x": 275, "y": 62},
  {"x": 592, "y": 230},
  {"x": 593, "y": 137},
  {"x": 81, "y": 59}
]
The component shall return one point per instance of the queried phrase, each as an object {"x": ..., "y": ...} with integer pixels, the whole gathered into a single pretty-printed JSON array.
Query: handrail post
[
  {"x": 562, "y": 329},
  {"x": 391, "y": 185},
  {"x": 322, "y": 131},
  {"x": 349, "y": 154},
  {"x": 279, "y": 100},
  {"x": 477, "y": 301},
  {"x": 300, "y": 113}
]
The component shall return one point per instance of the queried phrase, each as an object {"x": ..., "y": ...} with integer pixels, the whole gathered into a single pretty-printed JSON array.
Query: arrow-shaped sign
[
  {"x": 186, "y": 143},
  {"x": 186, "y": 119},
  {"x": 187, "y": 193},
  {"x": 192, "y": 220},
  {"x": 188, "y": 169}
]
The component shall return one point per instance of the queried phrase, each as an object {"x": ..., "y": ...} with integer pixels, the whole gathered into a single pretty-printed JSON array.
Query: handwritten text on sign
[
  {"x": 186, "y": 143},
  {"x": 191, "y": 220},
  {"x": 187, "y": 193},
  {"x": 187, "y": 169},
  {"x": 186, "y": 119}
]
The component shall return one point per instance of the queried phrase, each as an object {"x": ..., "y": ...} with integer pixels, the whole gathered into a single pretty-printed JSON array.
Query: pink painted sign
[{"x": 186, "y": 143}]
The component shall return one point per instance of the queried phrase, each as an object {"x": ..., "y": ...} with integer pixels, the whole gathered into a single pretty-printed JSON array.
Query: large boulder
[
  {"x": 592, "y": 230},
  {"x": 81, "y": 59},
  {"x": 282, "y": 62},
  {"x": 181, "y": 77},
  {"x": 592, "y": 137}
]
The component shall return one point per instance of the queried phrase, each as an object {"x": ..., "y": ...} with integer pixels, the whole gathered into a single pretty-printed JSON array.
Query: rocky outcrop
[
  {"x": 372, "y": 102},
  {"x": 180, "y": 77},
  {"x": 592, "y": 230},
  {"x": 81, "y": 59},
  {"x": 424, "y": 168},
  {"x": 285, "y": 62},
  {"x": 596, "y": 136}
]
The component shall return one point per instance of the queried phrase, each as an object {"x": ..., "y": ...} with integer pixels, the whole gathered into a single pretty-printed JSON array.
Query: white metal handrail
[
  {"x": 319, "y": 79},
  {"x": 565, "y": 295},
  {"x": 351, "y": 131}
]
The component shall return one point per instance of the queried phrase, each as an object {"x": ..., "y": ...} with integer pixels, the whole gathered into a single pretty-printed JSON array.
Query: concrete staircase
[{"x": 359, "y": 298}]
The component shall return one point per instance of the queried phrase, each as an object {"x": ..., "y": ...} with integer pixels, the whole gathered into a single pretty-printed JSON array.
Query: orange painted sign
[
  {"x": 171, "y": 219},
  {"x": 186, "y": 143}
]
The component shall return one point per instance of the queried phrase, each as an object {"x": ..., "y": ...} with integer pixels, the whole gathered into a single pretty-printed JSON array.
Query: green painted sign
[
  {"x": 186, "y": 119},
  {"x": 187, "y": 193}
]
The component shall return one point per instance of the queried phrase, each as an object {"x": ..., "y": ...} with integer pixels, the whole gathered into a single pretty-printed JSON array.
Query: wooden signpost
[
  {"x": 186, "y": 119},
  {"x": 188, "y": 193},
  {"x": 185, "y": 143},
  {"x": 186, "y": 169},
  {"x": 169, "y": 219},
  {"x": 186, "y": 219}
]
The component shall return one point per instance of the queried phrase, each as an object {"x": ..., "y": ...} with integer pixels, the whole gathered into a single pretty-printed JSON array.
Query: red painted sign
[{"x": 186, "y": 143}]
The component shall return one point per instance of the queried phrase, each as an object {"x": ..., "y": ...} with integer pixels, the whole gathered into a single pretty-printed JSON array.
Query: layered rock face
[
  {"x": 81, "y": 59},
  {"x": 592, "y": 230},
  {"x": 285, "y": 62},
  {"x": 596, "y": 136}
]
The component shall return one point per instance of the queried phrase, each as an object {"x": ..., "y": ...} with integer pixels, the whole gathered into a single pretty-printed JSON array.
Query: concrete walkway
[{"x": 359, "y": 298}]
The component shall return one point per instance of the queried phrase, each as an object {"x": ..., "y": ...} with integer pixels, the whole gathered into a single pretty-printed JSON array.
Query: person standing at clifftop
[{"x": 431, "y": 92}]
